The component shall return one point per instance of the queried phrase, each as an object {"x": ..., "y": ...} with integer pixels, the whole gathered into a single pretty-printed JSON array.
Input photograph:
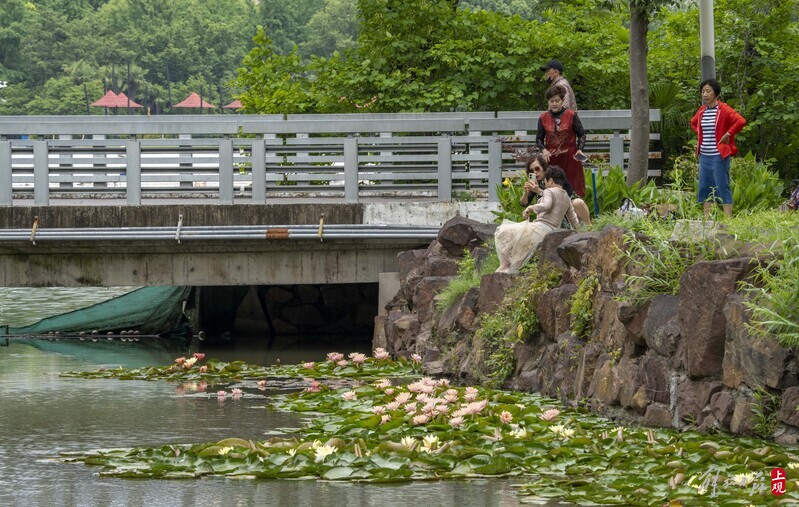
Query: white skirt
[{"x": 516, "y": 242}]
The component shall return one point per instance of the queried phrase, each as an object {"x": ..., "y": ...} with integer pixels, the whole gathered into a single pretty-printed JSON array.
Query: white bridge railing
[{"x": 253, "y": 158}]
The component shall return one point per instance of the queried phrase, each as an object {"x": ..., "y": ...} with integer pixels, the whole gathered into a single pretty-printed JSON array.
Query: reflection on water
[
  {"x": 43, "y": 414},
  {"x": 24, "y": 306}
]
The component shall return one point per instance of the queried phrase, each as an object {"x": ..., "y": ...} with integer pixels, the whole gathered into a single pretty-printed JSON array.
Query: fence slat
[
  {"x": 494, "y": 170},
  {"x": 445, "y": 169},
  {"x": 41, "y": 174},
  {"x": 351, "y": 170},
  {"x": 226, "y": 171},
  {"x": 259, "y": 170}
]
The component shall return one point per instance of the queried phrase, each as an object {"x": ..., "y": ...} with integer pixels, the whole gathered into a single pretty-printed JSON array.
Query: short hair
[
  {"x": 536, "y": 157},
  {"x": 556, "y": 174},
  {"x": 713, "y": 84},
  {"x": 555, "y": 90}
]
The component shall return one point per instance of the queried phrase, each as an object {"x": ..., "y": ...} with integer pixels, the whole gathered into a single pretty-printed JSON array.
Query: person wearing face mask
[
  {"x": 553, "y": 73},
  {"x": 561, "y": 137},
  {"x": 716, "y": 124}
]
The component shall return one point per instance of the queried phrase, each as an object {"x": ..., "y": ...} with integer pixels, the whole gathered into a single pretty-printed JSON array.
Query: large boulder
[
  {"x": 459, "y": 234},
  {"x": 658, "y": 416},
  {"x": 704, "y": 289},
  {"x": 424, "y": 295},
  {"x": 693, "y": 396},
  {"x": 574, "y": 250},
  {"x": 460, "y": 317},
  {"x": 493, "y": 288},
  {"x": 608, "y": 329},
  {"x": 661, "y": 329},
  {"x": 548, "y": 249},
  {"x": 401, "y": 332},
  {"x": 656, "y": 378},
  {"x": 788, "y": 412},
  {"x": 552, "y": 310},
  {"x": 633, "y": 317},
  {"x": 606, "y": 258},
  {"x": 752, "y": 360}
]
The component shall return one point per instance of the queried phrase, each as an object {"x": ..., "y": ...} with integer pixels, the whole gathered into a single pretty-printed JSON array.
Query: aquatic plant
[{"x": 456, "y": 432}]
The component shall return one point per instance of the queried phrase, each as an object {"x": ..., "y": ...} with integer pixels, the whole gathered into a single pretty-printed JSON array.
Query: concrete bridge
[{"x": 174, "y": 200}]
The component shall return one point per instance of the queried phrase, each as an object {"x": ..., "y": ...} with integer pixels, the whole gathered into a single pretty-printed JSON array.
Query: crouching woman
[{"x": 516, "y": 242}]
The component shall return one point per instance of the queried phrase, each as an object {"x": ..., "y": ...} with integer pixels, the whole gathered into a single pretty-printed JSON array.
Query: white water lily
[
  {"x": 567, "y": 433},
  {"x": 408, "y": 441},
  {"x": 224, "y": 450},
  {"x": 430, "y": 441},
  {"x": 292, "y": 452},
  {"x": 316, "y": 444},
  {"x": 519, "y": 433},
  {"x": 324, "y": 451},
  {"x": 557, "y": 428},
  {"x": 793, "y": 465},
  {"x": 744, "y": 479}
]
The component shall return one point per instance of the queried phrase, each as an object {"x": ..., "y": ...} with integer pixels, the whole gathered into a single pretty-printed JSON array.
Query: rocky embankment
[{"x": 684, "y": 360}]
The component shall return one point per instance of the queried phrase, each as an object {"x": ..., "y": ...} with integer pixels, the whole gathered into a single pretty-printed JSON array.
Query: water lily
[
  {"x": 315, "y": 387},
  {"x": 335, "y": 357},
  {"x": 520, "y": 433},
  {"x": 308, "y": 365},
  {"x": 350, "y": 395},
  {"x": 793, "y": 465},
  {"x": 342, "y": 363},
  {"x": 430, "y": 443},
  {"x": 324, "y": 451},
  {"x": 357, "y": 357},
  {"x": 316, "y": 444},
  {"x": 262, "y": 383},
  {"x": 224, "y": 450},
  {"x": 188, "y": 363},
  {"x": 394, "y": 405},
  {"x": 381, "y": 353},
  {"x": 416, "y": 358},
  {"x": 379, "y": 409},
  {"x": 389, "y": 391},
  {"x": 292, "y": 452},
  {"x": 385, "y": 418},
  {"x": 203, "y": 369},
  {"x": 411, "y": 407},
  {"x": 557, "y": 428},
  {"x": 567, "y": 433},
  {"x": 420, "y": 419},
  {"x": 743, "y": 480},
  {"x": 237, "y": 392},
  {"x": 550, "y": 414},
  {"x": 456, "y": 421},
  {"x": 443, "y": 382},
  {"x": 470, "y": 394},
  {"x": 180, "y": 360},
  {"x": 403, "y": 398},
  {"x": 408, "y": 441},
  {"x": 382, "y": 383},
  {"x": 199, "y": 355},
  {"x": 221, "y": 394},
  {"x": 505, "y": 417}
]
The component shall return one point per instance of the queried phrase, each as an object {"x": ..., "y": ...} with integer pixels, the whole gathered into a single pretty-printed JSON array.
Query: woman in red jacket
[
  {"x": 716, "y": 124},
  {"x": 560, "y": 137}
]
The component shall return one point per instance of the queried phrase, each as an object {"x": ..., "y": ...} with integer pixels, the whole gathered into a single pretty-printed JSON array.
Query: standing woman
[
  {"x": 716, "y": 124},
  {"x": 561, "y": 138}
]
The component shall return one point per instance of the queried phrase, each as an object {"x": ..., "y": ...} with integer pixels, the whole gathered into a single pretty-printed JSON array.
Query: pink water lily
[
  {"x": 389, "y": 391},
  {"x": 416, "y": 358},
  {"x": 237, "y": 392},
  {"x": 221, "y": 394},
  {"x": 420, "y": 419},
  {"x": 262, "y": 383},
  {"x": 342, "y": 363},
  {"x": 381, "y": 353},
  {"x": 357, "y": 357},
  {"x": 456, "y": 421},
  {"x": 203, "y": 369},
  {"x": 335, "y": 357},
  {"x": 315, "y": 387},
  {"x": 505, "y": 417},
  {"x": 378, "y": 409},
  {"x": 550, "y": 414},
  {"x": 385, "y": 418},
  {"x": 308, "y": 365},
  {"x": 180, "y": 360},
  {"x": 350, "y": 395},
  {"x": 199, "y": 355}
]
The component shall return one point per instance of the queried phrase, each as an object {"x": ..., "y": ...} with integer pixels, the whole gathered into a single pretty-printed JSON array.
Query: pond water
[{"x": 43, "y": 414}]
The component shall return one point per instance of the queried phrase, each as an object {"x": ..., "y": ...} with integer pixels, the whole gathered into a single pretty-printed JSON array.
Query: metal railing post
[
  {"x": 259, "y": 170},
  {"x": 616, "y": 150},
  {"x": 351, "y": 169},
  {"x": 133, "y": 171},
  {"x": 41, "y": 174},
  {"x": 226, "y": 170},
  {"x": 494, "y": 169},
  {"x": 445, "y": 169},
  {"x": 6, "y": 181}
]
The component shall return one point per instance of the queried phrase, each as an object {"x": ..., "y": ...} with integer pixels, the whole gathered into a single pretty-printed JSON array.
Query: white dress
[{"x": 516, "y": 242}]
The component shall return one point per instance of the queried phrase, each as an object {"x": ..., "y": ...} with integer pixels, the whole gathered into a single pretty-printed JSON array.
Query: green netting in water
[{"x": 149, "y": 310}]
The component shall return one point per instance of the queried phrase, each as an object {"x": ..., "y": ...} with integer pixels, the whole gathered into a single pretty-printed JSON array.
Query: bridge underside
[{"x": 104, "y": 264}]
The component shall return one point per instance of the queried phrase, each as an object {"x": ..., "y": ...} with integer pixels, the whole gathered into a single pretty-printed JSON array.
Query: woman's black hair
[
  {"x": 555, "y": 90},
  {"x": 713, "y": 84},
  {"x": 541, "y": 160},
  {"x": 556, "y": 174}
]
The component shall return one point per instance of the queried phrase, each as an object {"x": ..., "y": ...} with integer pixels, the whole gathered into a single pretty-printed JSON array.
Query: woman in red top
[
  {"x": 716, "y": 124},
  {"x": 561, "y": 138}
]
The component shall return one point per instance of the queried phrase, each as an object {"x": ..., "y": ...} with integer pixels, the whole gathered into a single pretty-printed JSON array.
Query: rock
[
  {"x": 606, "y": 258},
  {"x": 563, "y": 380},
  {"x": 459, "y": 234},
  {"x": 628, "y": 377},
  {"x": 604, "y": 386},
  {"x": 553, "y": 312},
  {"x": 661, "y": 329},
  {"x": 424, "y": 294},
  {"x": 788, "y": 412},
  {"x": 523, "y": 354},
  {"x": 656, "y": 378},
  {"x": 548, "y": 257},
  {"x": 401, "y": 331},
  {"x": 434, "y": 367},
  {"x": 608, "y": 329},
  {"x": 574, "y": 248},
  {"x": 657, "y": 416},
  {"x": 704, "y": 289},
  {"x": 411, "y": 270},
  {"x": 441, "y": 266},
  {"x": 743, "y": 419},
  {"x": 640, "y": 400},
  {"x": 753, "y": 360},
  {"x": 379, "y": 339},
  {"x": 786, "y": 436},
  {"x": 722, "y": 405},
  {"x": 633, "y": 318},
  {"x": 460, "y": 316},
  {"x": 493, "y": 288},
  {"x": 693, "y": 396}
]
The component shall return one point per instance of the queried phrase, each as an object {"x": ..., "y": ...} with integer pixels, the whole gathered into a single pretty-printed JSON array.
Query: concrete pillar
[
  {"x": 258, "y": 170},
  {"x": 445, "y": 169},
  {"x": 41, "y": 174},
  {"x": 494, "y": 169},
  {"x": 707, "y": 39},
  {"x": 5, "y": 174},
  {"x": 133, "y": 171},
  {"x": 351, "y": 170},
  {"x": 616, "y": 150}
]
